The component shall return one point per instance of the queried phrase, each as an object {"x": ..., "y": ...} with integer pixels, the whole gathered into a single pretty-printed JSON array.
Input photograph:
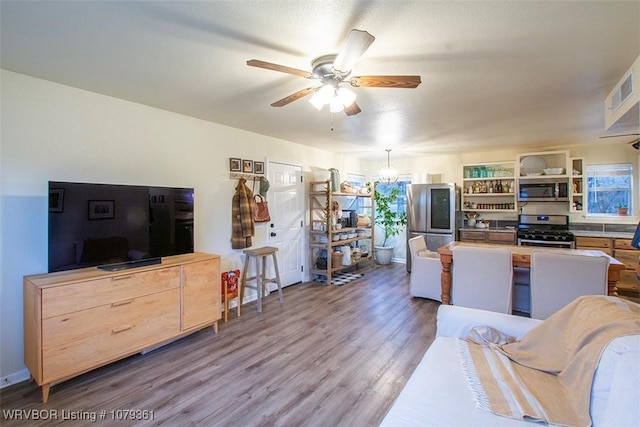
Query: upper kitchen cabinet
[
  {"x": 489, "y": 187},
  {"x": 543, "y": 164}
]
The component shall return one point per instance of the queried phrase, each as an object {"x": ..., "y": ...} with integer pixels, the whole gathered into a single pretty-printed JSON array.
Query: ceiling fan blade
[
  {"x": 293, "y": 97},
  {"x": 352, "y": 49},
  {"x": 352, "y": 109},
  {"x": 281, "y": 68},
  {"x": 386, "y": 81},
  {"x": 617, "y": 136}
]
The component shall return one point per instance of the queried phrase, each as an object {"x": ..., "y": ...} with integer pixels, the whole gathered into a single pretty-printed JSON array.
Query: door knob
[{"x": 273, "y": 234}]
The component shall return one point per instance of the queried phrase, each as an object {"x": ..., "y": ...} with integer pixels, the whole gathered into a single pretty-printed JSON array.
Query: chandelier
[{"x": 388, "y": 174}]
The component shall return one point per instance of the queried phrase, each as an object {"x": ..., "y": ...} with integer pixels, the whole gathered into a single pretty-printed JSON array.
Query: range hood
[{"x": 622, "y": 105}]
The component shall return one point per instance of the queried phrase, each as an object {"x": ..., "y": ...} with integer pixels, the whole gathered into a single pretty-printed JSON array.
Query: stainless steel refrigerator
[{"x": 433, "y": 211}]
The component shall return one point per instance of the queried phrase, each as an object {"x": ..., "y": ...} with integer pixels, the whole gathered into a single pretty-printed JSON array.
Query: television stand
[
  {"x": 130, "y": 264},
  {"x": 78, "y": 320}
]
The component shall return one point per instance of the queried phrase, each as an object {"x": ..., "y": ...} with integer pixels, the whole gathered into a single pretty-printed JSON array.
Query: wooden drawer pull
[
  {"x": 122, "y": 329},
  {"x": 120, "y": 303},
  {"x": 121, "y": 277}
]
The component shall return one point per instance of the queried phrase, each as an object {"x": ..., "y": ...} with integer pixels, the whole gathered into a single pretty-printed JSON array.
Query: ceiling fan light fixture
[
  {"x": 347, "y": 97},
  {"x": 335, "y": 105},
  {"x": 388, "y": 174},
  {"x": 322, "y": 96}
]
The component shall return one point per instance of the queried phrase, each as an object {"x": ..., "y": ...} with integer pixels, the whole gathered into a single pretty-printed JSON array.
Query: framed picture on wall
[
  {"x": 56, "y": 199},
  {"x": 258, "y": 167},
  {"x": 247, "y": 166},
  {"x": 235, "y": 165},
  {"x": 102, "y": 209}
]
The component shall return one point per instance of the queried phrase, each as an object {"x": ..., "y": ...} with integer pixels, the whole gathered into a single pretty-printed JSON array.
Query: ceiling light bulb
[
  {"x": 347, "y": 97},
  {"x": 322, "y": 96},
  {"x": 336, "y": 105},
  {"x": 317, "y": 101}
]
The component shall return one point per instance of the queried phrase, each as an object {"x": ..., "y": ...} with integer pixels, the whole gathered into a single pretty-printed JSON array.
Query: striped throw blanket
[{"x": 547, "y": 376}]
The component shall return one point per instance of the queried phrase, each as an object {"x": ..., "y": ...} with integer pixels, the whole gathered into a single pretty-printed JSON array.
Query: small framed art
[
  {"x": 247, "y": 166},
  {"x": 258, "y": 167},
  {"x": 102, "y": 209},
  {"x": 235, "y": 165},
  {"x": 56, "y": 199}
]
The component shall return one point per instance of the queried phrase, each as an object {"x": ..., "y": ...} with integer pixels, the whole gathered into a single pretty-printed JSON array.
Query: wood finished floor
[{"x": 329, "y": 356}]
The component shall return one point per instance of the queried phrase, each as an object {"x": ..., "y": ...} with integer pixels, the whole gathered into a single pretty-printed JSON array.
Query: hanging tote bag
[{"x": 261, "y": 213}]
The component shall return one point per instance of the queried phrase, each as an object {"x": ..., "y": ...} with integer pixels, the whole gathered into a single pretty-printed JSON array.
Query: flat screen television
[{"x": 113, "y": 226}]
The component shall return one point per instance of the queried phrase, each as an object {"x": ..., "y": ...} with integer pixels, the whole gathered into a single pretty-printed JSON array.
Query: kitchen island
[{"x": 521, "y": 258}]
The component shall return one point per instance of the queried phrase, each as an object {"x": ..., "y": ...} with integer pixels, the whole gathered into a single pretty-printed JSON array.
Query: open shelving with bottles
[
  {"x": 577, "y": 195},
  {"x": 326, "y": 233},
  {"x": 489, "y": 187}
]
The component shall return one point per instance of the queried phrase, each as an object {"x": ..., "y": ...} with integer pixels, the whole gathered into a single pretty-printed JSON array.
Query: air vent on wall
[{"x": 624, "y": 91}]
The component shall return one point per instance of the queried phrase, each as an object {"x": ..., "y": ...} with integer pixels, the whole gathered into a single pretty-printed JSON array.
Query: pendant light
[{"x": 388, "y": 174}]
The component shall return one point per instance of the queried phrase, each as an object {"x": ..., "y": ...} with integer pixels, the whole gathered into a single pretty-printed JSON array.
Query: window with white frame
[{"x": 608, "y": 188}]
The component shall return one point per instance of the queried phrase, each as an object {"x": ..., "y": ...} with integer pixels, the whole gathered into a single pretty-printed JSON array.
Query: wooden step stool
[{"x": 260, "y": 255}]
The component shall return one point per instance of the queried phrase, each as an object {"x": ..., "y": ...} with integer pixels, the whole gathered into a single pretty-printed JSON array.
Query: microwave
[{"x": 543, "y": 191}]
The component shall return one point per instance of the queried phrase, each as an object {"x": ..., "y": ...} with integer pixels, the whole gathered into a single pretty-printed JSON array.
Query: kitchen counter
[
  {"x": 606, "y": 234},
  {"x": 492, "y": 229}
]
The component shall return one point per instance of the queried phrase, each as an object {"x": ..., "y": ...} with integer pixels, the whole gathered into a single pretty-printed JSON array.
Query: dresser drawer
[
  {"x": 501, "y": 238},
  {"x": 472, "y": 236},
  {"x": 93, "y": 293},
  {"x": 87, "y": 338},
  {"x": 624, "y": 244},
  {"x": 593, "y": 242}
]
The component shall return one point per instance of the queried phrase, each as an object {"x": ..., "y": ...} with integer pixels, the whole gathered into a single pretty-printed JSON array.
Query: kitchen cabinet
[
  {"x": 603, "y": 244},
  {"x": 78, "y": 320},
  {"x": 577, "y": 187},
  {"x": 326, "y": 234},
  {"x": 500, "y": 237},
  {"x": 489, "y": 187},
  {"x": 621, "y": 250}
]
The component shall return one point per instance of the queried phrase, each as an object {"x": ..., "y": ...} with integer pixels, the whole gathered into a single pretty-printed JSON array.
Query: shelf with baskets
[
  {"x": 489, "y": 187},
  {"x": 340, "y": 228}
]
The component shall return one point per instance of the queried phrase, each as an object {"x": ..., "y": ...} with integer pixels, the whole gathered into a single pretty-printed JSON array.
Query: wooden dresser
[{"x": 79, "y": 320}]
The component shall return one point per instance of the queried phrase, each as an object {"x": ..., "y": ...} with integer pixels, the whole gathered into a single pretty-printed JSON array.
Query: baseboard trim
[{"x": 15, "y": 378}]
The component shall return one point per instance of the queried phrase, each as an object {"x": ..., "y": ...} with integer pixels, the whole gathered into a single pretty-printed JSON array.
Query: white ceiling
[{"x": 494, "y": 74}]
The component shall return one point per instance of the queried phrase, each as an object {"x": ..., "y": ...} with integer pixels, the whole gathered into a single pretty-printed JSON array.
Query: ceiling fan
[
  {"x": 634, "y": 143},
  {"x": 332, "y": 72}
]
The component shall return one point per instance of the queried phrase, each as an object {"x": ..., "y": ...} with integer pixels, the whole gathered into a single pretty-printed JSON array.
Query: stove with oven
[{"x": 545, "y": 231}]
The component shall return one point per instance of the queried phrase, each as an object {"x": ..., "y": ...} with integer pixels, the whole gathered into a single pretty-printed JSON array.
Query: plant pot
[
  {"x": 383, "y": 254},
  {"x": 623, "y": 211}
]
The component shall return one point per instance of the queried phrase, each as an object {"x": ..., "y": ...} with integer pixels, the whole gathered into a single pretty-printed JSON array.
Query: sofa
[{"x": 437, "y": 393}]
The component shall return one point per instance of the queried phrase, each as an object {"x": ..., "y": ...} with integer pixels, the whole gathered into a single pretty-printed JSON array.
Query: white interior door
[{"x": 285, "y": 231}]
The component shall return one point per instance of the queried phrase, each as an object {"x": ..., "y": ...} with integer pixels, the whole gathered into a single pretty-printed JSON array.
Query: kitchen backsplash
[{"x": 612, "y": 228}]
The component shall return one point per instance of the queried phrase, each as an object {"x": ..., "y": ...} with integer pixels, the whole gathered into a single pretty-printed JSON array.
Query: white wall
[
  {"x": 449, "y": 167},
  {"x": 55, "y": 132}
]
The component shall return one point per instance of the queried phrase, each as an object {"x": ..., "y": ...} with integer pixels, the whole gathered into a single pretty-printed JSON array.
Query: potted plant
[
  {"x": 622, "y": 209},
  {"x": 389, "y": 221}
]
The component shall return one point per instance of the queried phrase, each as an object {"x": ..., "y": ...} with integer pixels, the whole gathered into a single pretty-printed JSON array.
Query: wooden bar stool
[{"x": 260, "y": 255}]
